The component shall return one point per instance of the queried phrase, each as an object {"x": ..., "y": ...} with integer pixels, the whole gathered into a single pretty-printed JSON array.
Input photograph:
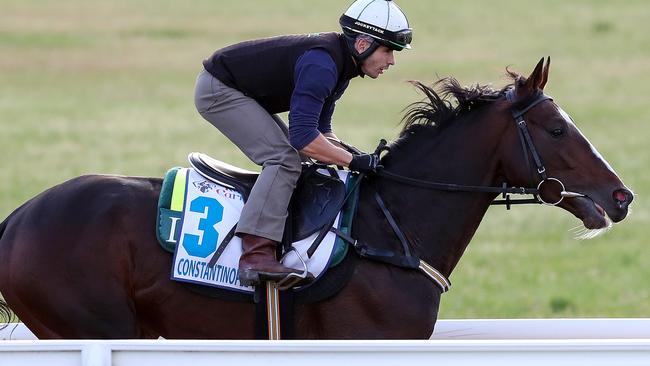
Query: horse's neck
[{"x": 438, "y": 225}]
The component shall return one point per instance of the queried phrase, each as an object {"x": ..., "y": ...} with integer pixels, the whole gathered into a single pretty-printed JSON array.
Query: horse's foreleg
[{"x": 379, "y": 302}]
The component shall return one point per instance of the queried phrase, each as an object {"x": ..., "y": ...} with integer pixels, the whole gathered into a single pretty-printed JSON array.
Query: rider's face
[{"x": 378, "y": 61}]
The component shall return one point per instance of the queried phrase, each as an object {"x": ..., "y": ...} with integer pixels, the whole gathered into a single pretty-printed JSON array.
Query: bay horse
[{"x": 81, "y": 260}]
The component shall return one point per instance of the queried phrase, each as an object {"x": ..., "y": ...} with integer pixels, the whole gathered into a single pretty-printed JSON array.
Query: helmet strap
[{"x": 360, "y": 57}]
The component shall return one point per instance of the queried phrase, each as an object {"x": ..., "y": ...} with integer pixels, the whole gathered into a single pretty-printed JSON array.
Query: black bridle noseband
[{"x": 546, "y": 183}]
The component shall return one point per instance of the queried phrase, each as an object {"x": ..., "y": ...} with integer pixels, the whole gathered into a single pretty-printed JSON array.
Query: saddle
[{"x": 315, "y": 201}]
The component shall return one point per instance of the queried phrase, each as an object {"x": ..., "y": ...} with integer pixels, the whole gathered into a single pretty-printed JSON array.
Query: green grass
[{"x": 107, "y": 87}]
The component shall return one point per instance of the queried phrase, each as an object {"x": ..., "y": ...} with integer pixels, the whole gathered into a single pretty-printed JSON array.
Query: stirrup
[{"x": 292, "y": 278}]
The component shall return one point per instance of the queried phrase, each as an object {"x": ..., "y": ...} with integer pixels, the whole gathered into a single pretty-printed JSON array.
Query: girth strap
[
  {"x": 390, "y": 257},
  {"x": 387, "y": 256},
  {"x": 435, "y": 275},
  {"x": 380, "y": 255}
]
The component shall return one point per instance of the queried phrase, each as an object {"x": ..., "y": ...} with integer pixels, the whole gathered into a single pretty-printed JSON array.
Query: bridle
[
  {"x": 411, "y": 260},
  {"x": 529, "y": 146},
  {"x": 545, "y": 184}
]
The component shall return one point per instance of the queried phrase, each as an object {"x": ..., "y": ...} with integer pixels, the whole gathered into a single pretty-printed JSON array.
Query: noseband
[{"x": 547, "y": 186}]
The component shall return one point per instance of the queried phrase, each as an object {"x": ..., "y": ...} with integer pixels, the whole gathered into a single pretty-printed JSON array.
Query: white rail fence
[
  {"x": 594, "y": 352},
  {"x": 492, "y": 329},
  {"x": 557, "y": 342}
]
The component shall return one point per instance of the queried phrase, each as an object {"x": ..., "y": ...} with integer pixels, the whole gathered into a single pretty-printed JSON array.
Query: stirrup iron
[{"x": 292, "y": 278}]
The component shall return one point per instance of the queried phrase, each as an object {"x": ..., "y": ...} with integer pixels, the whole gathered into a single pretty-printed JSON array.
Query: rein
[
  {"x": 409, "y": 260},
  {"x": 527, "y": 146}
]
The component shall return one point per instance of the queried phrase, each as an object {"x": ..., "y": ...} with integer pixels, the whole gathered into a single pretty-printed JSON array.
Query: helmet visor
[
  {"x": 404, "y": 37},
  {"x": 398, "y": 40}
]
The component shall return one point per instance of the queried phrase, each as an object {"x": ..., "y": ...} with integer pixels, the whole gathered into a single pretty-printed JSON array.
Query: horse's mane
[{"x": 450, "y": 102}]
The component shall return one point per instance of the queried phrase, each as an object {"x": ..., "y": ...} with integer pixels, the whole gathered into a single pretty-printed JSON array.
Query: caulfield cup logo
[{"x": 205, "y": 186}]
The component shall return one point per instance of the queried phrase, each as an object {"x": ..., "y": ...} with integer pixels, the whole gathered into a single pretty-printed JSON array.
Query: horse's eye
[{"x": 557, "y": 132}]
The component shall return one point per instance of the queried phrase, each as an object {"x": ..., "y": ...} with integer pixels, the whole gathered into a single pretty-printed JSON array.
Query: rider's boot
[{"x": 258, "y": 263}]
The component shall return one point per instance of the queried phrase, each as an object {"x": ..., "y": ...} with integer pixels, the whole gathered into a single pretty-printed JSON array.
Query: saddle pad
[{"x": 201, "y": 213}]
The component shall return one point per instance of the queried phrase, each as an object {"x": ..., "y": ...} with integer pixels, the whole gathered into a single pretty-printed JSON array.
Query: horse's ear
[
  {"x": 535, "y": 79},
  {"x": 545, "y": 73}
]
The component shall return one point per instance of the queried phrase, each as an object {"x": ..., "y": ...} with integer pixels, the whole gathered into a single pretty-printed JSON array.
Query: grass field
[{"x": 90, "y": 86}]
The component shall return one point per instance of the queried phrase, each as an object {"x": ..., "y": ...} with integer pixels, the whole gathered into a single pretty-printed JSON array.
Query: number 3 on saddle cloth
[{"x": 199, "y": 207}]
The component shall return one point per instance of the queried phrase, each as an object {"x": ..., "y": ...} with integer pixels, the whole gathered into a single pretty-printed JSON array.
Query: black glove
[{"x": 364, "y": 163}]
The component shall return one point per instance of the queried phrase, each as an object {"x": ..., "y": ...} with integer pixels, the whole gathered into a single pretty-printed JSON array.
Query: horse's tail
[{"x": 6, "y": 315}]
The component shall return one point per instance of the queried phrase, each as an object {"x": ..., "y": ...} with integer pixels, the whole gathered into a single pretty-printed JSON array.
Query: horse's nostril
[{"x": 623, "y": 197}]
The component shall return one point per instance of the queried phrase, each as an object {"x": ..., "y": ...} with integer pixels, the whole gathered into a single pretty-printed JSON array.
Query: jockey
[{"x": 244, "y": 84}]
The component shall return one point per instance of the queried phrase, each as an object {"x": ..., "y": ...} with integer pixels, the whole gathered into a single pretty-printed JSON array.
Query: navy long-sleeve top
[{"x": 313, "y": 98}]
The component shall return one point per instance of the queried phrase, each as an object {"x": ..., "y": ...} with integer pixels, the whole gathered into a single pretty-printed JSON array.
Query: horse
[{"x": 81, "y": 259}]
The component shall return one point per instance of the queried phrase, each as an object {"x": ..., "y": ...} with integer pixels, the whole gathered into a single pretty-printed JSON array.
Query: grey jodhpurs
[{"x": 265, "y": 142}]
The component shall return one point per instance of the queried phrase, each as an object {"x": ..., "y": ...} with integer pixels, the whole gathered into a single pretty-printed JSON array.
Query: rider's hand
[{"x": 364, "y": 163}]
